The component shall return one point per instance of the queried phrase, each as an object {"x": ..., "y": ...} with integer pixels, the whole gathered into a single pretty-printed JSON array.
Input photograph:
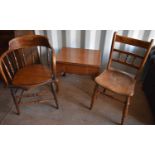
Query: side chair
[{"x": 117, "y": 80}]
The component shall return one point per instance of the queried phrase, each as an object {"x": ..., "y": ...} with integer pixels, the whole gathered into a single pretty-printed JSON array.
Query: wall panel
[{"x": 92, "y": 39}]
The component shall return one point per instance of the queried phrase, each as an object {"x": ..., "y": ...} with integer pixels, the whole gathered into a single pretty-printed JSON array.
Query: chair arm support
[{"x": 53, "y": 64}]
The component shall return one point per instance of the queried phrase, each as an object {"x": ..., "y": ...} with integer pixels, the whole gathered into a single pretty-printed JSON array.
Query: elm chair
[
  {"x": 120, "y": 81},
  {"x": 22, "y": 70}
]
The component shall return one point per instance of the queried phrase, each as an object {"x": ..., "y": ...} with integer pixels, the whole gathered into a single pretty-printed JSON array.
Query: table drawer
[{"x": 77, "y": 69}]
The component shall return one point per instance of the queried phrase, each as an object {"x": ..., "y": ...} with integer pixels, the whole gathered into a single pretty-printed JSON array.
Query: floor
[{"x": 74, "y": 98}]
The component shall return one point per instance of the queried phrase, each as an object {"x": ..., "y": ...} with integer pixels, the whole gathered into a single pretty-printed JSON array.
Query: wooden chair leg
[
  {"x": 15, "y": 100},
  {"x": 125, "y": 110},
  {"x": 56, "y": 83},
  {"x": 57, "y": 86},
  {"x": 54, "y": 95},
  {"x": 93, "y": 96}
]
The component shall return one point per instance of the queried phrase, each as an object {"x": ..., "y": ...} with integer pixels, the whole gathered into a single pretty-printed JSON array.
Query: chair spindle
[
  {"x": 16, "y": 62},
  {"x": 7, "y": 70},
  {"x": 10, "y": 64},
  {"x": 24, "y": 60}
]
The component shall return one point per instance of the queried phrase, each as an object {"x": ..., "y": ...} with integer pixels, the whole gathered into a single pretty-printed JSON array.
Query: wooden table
[{"x": 78, "y": 61}]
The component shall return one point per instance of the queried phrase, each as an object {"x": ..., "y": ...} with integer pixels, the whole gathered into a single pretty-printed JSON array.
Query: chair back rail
[
  {"x": 130, "y": 41},
  {"x": 28, "y": 41}
]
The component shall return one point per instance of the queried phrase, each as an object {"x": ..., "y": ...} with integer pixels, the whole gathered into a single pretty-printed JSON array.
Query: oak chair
[
  {"x": 22, "y": 70},
  {"x": 120, "y": 81}
]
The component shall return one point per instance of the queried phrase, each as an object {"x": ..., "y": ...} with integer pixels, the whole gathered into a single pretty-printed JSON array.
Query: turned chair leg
[
  {"x": 94, "y": 96},
  {"x": 15, "y": 101},
  {"x": 54, "y": 95},
  {"x": 125, "y": 110}
]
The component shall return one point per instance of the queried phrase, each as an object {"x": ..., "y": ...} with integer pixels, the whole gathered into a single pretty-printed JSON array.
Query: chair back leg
[
  {"x": 54, "y": 95},
  {"x": 94, "y": 96},
  {"x": 15, "y": 100}
]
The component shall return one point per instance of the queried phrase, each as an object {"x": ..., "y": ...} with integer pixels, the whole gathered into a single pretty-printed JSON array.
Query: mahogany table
[{"x": 78, "y": 61}]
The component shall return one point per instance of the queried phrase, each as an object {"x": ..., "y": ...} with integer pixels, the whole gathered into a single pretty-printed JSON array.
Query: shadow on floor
[{"x": 74, "y": 99}]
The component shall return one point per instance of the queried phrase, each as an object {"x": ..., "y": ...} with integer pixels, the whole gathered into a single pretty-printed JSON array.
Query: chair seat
[
  {"x": 117, "y": 81},
  {"x": 32, "y": 75}
]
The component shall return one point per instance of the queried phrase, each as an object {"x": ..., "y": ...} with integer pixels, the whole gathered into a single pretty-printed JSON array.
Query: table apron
[{"x": 77, "y": 69}]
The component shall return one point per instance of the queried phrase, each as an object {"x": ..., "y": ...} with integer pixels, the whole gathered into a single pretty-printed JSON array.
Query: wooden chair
[
  {"x": 22, "y": 72},
  {"x": 119, "y": 81}
]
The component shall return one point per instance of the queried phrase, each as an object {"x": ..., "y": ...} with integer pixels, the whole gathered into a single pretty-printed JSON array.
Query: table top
[{"x": 79, "y": 56}]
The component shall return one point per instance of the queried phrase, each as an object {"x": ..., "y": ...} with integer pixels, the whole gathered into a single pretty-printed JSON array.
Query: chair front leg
[
  {"x": 57, "y": 86},
  {"x": 56, "y": 82},
  {"x": 125, "y": 110},
  {"x": 54, "y": 95},
  {"x": 93, "y": 96}
]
